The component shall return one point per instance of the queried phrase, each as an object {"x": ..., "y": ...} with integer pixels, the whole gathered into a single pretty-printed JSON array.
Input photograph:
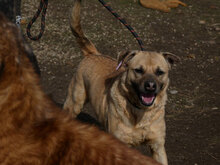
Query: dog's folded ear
[
  {"x": 171, "y": 58},
  {"x": 124, "y": 57}
]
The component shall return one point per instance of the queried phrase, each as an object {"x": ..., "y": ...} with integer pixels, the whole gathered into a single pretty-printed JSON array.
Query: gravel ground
[{"x": 192, "y": 33}]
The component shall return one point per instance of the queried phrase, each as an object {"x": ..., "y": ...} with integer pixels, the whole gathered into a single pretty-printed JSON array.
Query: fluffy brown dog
[
  {"x": 34, "y": 131},
  {"x": 130, "y": 100}
]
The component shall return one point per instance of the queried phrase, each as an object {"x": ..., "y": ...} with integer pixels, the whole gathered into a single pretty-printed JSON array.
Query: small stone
[
  {"x": 211, "y": 42},
  {"x": 193, "y": 56},
  {"x": 173, "y": 92},
  {"x": 217, "y": 28},
  {"x": 202, "y": 22},
  {"x": 214, "y": 108}
]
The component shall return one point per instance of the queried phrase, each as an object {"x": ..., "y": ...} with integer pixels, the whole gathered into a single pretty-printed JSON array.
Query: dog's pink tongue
[{"x": 148, "y": 99}]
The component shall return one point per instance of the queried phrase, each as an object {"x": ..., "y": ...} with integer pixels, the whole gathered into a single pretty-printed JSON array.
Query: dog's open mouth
[{"x": 147, "y": 99}]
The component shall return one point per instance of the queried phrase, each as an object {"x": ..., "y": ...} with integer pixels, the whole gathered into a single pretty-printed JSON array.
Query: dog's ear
[
  {"x": 124, "y": 57},
  {"x": 171, "y": 58}
]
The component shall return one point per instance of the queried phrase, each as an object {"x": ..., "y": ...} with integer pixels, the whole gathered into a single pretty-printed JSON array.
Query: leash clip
[{"x": 18, "y": 20}]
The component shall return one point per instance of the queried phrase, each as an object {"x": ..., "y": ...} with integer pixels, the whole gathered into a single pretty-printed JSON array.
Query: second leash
[
  {"x": 43, "y": 6},
  {"x": 124, "y": 23}
]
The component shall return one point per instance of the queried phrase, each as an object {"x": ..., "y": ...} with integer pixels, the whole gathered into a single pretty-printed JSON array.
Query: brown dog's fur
[
  {"x": 122, "y": 100},
  {"x": 34, "y": 131}
]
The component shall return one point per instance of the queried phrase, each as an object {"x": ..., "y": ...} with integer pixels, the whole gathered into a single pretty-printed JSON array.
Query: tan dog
[
  {"x": 128, "y": 96},
  {"x": 33, "y": 131}
]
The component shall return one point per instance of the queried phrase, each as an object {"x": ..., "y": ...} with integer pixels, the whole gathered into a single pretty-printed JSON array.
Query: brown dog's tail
[{"x": 86, "y": 45}]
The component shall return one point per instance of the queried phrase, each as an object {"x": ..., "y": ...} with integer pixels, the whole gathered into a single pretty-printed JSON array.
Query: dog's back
[{"x": 34, "y": 131}]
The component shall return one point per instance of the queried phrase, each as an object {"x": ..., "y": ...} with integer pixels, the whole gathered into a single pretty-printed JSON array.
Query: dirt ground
[{"x": 192, "y": 33}]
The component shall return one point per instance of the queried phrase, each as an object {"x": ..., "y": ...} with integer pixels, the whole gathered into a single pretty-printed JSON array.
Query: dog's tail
[{"x": 86, "y": 45}]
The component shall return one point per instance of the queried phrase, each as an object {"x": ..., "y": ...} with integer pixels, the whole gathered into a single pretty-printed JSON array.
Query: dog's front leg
[
  {"x": 76, "y": 96},
  {"x": 158, "y": 150},
  {"x": 156, "y": 140}
]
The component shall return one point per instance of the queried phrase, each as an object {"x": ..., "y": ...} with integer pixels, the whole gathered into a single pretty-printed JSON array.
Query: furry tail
[{"x": 86, "y": 45}]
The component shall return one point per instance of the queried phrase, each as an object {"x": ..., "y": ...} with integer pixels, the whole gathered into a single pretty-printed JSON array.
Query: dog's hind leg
[{"x": 76, "y": 96}]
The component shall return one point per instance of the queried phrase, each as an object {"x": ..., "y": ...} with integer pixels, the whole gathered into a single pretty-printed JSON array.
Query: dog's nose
[{"x": 150, "y": 86}]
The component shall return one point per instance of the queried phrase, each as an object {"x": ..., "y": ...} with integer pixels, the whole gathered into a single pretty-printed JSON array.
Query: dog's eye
[
  {"x": 159, "y": 72},
  {"x": 139, "y": 70}
]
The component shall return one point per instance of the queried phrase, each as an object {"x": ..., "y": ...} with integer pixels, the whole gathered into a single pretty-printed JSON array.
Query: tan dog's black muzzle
[
  {"x": 150, "y": 86},
  {"x": 146, "y": 91}
]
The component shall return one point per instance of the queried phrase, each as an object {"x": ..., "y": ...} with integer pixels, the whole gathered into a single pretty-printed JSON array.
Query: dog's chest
[
  {"x": 133, "y": 130},
  {"x": 132, "y": 135}
]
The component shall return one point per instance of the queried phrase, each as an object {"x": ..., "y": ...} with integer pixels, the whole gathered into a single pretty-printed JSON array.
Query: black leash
[
  {"x": 42, "y": 7},
  {"x": 124, "y": 23}
]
